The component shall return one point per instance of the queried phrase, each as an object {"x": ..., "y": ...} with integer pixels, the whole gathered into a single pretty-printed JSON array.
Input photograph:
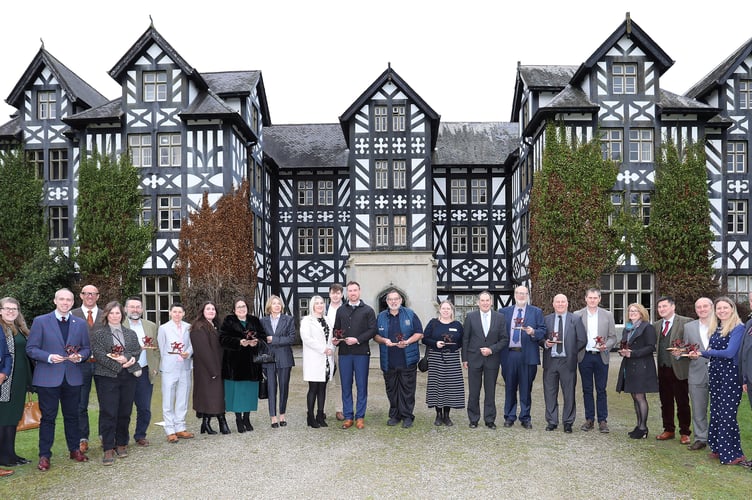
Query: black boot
[
  {"x": 321, "y": 419},
  {"x": 247, "y": 421},
  {"x": 312, "y": 421},
  {"x": 439, "y": 417},
  {"x": 223, "y": 424},
  {"x": 447, "y": 421},
  {"x": 239, "y": 422},
  {"x": 206, "y": 426}
]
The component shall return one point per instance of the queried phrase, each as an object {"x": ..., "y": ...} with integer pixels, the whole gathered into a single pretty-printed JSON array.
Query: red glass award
[
  {"x": 116, "y": 351},
  {"x": 177, "y": 348}
]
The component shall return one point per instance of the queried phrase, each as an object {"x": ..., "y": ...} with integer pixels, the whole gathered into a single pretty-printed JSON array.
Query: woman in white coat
[{"x": 318, "y": 360}]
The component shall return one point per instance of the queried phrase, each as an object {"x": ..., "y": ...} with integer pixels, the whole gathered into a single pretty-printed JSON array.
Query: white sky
[{"x": 318, "y": 56}]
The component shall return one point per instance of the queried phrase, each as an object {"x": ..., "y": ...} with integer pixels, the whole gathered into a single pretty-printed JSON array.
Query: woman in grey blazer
[
  {"x": 637, "y": 374},
  {"x": 280, "y": 334}
]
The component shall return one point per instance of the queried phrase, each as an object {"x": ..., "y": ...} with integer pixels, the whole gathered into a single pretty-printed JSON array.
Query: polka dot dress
[{"x": 725, "y": 395}]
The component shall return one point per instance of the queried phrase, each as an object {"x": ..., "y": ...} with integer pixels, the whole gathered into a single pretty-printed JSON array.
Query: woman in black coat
[
  {"x": 637, "y": 374},
  {"x": 239, "y": 336}
]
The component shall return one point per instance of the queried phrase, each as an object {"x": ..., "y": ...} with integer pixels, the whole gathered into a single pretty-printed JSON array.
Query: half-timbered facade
[{"x": 387, "y": 195}]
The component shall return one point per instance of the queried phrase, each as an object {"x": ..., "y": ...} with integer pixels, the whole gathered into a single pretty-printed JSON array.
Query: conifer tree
[
  {"x": 216, "y": 259},
  {"x": 112, "y": 245}
]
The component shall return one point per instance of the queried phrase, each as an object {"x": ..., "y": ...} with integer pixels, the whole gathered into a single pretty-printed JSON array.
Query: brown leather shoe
[
  {"x": 340, "y": 416},
  {"x": 664, "y": 436},
  {"x": 587, "y": 426},
  {"x": 347, "y": 424},
  {"x": 78, "y": 456},
  {"x": 122, "y": 451},
  {"x": 142, "y": 442},
  {"x": 603, "y": 427},
  {"x": 109, "y": 457},
  {"x": 684, "y": 439},
  {"x": 360, "y": 423},
  {"x": 184, "y": 434},
  {"x": 83, "y": 445},
  {"x": 44, "y": 464},
  {"x": 697, "y": 445},
  {"x": 172, "y": 438},
  {"x": 6, "y": 472}
]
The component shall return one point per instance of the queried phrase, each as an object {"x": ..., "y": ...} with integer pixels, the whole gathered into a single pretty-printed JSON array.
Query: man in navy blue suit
[
  {"x": 58, "y": 342},
  {"x": 520, "y": 359}
]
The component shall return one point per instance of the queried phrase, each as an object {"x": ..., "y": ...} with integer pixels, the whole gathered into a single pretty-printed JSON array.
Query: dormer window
[
  {"x": 624, "y": 78},
  {"x": 745, "y": 94},
  {"x": 46, "y": 108},
  {"x": 155, "y": 86}
]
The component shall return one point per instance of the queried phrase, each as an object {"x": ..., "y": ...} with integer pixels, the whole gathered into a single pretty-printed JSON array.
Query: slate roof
[
  {"x": 77, "y": 90},
  {"x": 306, "y": 146},
  {"x": 108, "y": 112},
  {"x": 720, "y": 73},
  {"x": 475, "y": 143},
  {"x": 323, "y": 145},
  {"x": 11, "y": 129},
  {"x": 551, "y": 77},
  {"x": 670, "y": 102},
  {"x": 232, "y": 82}
]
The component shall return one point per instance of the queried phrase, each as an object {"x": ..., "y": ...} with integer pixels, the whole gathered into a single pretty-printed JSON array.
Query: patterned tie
[
  {"x": 665, "y": 328},
  {"x": 89, "y": 319},
  {"x": 560, "y": 329},
  {"x": 517, "y": 327}
]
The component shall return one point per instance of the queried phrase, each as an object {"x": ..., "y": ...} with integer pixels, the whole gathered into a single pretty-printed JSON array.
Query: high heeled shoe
[
  {"x": 206, "y": 427},
  {"x": 239, "y": 422},
  {"x": 638, "y": 433}
]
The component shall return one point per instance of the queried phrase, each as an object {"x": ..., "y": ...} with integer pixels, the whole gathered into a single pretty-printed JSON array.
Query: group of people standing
[{"x": 700, "y": 362}]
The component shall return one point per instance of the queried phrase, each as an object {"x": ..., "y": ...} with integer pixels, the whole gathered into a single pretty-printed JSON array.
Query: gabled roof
[
  {"x": 106, "y": 113},
  {"x": 721, "y": 73},
  {"x": 389, "y": 75},
  {"x": 12, "y": 129},
  {"x": 547, "y": 78},
  {"x": 76, "y": 89},
  {"x": 668, "y": 102},
  {"x": 475, "y": 143},
  {"x": 239, "y": 84},
  {"x": 306, "y": 146},
  {"x": 152, "y": 36},
  {"x": 631, "y": 30},
  {"x": 209, "y": 105}
]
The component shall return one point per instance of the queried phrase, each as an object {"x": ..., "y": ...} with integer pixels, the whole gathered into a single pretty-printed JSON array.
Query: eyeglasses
[
  {"x": 9, "y": 309},
  {"x": 90, "y": 294}
]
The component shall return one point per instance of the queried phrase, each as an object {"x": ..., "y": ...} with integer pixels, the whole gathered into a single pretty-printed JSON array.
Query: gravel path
[{"x": 377, "y": 462}]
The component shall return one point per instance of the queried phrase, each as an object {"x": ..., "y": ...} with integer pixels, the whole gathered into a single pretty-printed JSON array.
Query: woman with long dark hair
[{"x": 208, "y": 388}]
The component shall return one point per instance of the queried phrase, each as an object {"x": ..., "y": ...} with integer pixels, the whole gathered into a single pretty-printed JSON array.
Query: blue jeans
[
  {"x": 594, "y": 370},
  {"x": 354, "y": 365},
  {"x": 142, "y": 399}
]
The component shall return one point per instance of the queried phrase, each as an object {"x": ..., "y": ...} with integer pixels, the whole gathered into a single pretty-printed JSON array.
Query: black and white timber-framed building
[{"x": 388, "y": 194}]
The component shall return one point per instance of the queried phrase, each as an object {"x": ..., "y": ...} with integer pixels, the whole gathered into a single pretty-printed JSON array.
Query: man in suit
[
  {"x": 399, "y": 331},
  {"x": 520, "y": 359},
  {"x": 593, "y": 360},
  {"x": 354, "y": 327},
  {"x": 333, "y": 387},
  {"x": 149, "y": 362},
  {"x": 59, "y": 343},
  {"x": 560, "y": 362},
  {"x": 485, "y": 335},
  {"x": 696, "y": 332},
  {"x": 175, "y": 365},
  {"x": 89, "y": 311},
  {"x": 672, "y": 371}
]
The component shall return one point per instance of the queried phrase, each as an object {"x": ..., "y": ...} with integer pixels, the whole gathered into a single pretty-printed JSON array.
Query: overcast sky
[{"x": 318, "y": 56}]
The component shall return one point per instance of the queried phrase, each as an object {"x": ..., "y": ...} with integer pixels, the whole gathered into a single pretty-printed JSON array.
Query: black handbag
[
  {"x": 263, "y": 388},
  {"x": 263, "y": 355},
  {"x": 423, "y": 363}
]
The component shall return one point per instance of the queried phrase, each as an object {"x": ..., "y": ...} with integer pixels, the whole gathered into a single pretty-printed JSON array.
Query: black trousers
[
  {"x": 670, "y": 390},
  {"x": 400, "y": 390},
  {"x": 115, "y": 396}
]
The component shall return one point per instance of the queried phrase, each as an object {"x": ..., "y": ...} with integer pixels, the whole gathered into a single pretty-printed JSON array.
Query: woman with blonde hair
[
  {"x": 14, "y": 383},
  {"x": 280, "y": 334},
  {"x": 637, "y": 374},
  {"x": 725, "y": 384},
  {"x": 445, "y": 388},
  {"x": 318, "y": 360}
]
